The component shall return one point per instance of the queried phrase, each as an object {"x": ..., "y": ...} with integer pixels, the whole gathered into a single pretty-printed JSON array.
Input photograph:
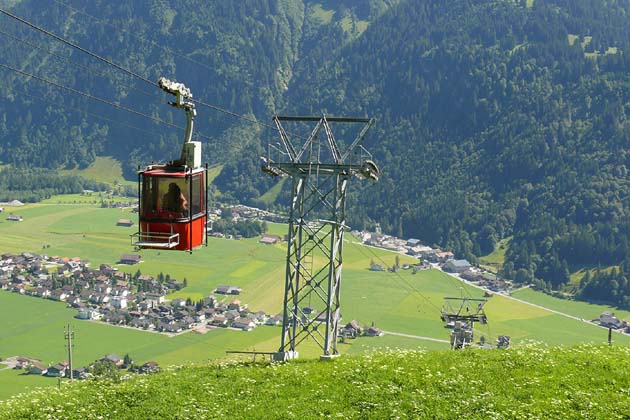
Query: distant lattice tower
[{"x": 319, "y": 167}]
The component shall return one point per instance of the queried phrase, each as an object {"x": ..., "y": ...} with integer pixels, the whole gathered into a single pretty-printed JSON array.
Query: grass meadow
[
  {"x": 572, "y": 307},
  {"x": 103, "y": 169},
  {"x": 399, "y": 302},
  {"x": 579, "y": 382}
]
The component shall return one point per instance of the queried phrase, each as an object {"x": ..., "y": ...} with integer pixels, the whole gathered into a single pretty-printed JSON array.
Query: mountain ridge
[{"x": 495, "y": 119}]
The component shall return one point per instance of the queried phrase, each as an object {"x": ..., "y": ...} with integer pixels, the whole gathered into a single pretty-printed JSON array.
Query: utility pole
[
  {"x": 69, "y": 336},
  {"x": 320, "y": 169}
]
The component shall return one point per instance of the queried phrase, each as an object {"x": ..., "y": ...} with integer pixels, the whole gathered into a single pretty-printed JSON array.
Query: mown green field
[
  {"x": 398, "y": 302},
  {"x": 529, "y": 382},
  {"x": 494, "y": 261},
  {"x": 572, "y": 307},
  {"x": 103, "y": 169}
]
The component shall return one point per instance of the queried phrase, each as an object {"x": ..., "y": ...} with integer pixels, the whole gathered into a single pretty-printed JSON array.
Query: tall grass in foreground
[{"x": 529, "y": 382}]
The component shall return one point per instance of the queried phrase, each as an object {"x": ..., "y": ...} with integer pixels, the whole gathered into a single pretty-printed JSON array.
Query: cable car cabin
[{"x": 172, "y": 208}]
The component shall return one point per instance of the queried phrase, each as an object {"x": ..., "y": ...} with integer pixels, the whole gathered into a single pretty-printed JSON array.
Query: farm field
[
  {"x": 572, "y": 307},
  {"x": 398, "y": 302}
]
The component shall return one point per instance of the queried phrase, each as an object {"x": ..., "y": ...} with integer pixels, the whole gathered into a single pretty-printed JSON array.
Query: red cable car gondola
[{"x": 173, "y": 196}]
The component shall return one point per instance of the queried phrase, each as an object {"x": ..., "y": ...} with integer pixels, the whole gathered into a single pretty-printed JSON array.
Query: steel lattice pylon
[{"x": 320, "y": 171}]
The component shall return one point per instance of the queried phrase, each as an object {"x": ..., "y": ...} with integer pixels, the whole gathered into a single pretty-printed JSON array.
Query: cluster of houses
[
  {"x": 241, "y": 212},
  {"x": 34, "y": 366},
  {"x": 487, "y": 280},
  {"x": 412, "y": 246},
  {"x": 353, "y": 330},
  {"x": 427, "y": 254},
  {"x": 120, "y": 298}
]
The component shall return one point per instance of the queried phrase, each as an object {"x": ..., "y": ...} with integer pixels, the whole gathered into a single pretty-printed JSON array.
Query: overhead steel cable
[
  {"x": 132, "y": 73},
  {"x": 57, "y": 104},
  {"x": 96, "y": 98},
  {"x": 411, "y": 286},
  {"x": 78, "y": 47},
  {"x": 69, "y": 60}
]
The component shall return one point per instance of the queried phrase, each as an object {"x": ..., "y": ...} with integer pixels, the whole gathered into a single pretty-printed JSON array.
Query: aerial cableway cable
[
  {"x": 405, "y": 281},
  {"x": 79, "y": 110},
  {"x": 75, "y": 63},
  {"x": 411, "y": 287},
  {"x": 128, "y": 71},
  {"x": 96, "y": 98}
]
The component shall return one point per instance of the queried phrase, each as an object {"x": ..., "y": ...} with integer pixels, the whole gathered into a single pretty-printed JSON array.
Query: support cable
[
  {"x": 69, "y": 60},
  {"x": 57, "y": 104},
  {"x": 75, "y": 46},
  {"x": 95, "y": 98},
  {"x": 130, "y": 72},
  {"x": 401, "y": 278}
]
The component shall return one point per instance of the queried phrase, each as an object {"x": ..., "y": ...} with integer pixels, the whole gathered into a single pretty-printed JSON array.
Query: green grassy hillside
[
  {"x": 532, "y": 382},
  {"x": 401, "y": 303}
]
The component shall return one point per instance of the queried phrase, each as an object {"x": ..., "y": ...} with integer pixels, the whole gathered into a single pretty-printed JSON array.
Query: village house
[
  {"x": 352, "y": 329},
  {"x": 443, "y": 256},
  {"x": 608, "y": 320},
  {"x": 270, "y": 239},
  {"x": 130, "y": 259},
  {"x": 373, "y": 332},
  {"x": 112, "y": 358},
  {"x": 235, "y": 305},
  {"x": 412, "y": 242},
  {"x": 89, "y": 314},
  {"x": 274, "y": 320},
  {"x": 119, "y": 302},
  {"x": 259, "y": 317},
  {"x": 228, "y": 290},
  {"x": 58, "y": 371},
  {"x": 80, "y": 373},
  {"x": 376, "y": 267},
  {"x": 219, "y": 321},
  {"x": 22, "y": 362},
  {"x": 37, "y": 368},
  {"x": 149, "y": 367},
  {"x": 243, "y": 324},
  {"x": 456, "y": 266}
]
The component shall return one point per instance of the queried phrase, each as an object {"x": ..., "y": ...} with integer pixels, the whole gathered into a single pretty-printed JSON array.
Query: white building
[{"x": 119, "y": 302}]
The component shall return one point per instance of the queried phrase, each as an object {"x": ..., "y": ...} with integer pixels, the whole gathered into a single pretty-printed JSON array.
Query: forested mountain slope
[{"x": 495, "y": 118}]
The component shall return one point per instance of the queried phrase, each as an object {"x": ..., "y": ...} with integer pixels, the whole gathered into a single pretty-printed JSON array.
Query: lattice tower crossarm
[{"x": 317, "y": 220}]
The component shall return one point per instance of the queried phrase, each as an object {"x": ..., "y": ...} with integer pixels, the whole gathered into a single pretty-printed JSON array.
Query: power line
[
  {"x": 69, "y": 60},
  {"x": 75, "y": 46},
  {"x": 132, "y": 73},
  {"x": 95, "y": 98},
  {"x": 4, "y": 87},
  {"x": 411, "y": 286}
]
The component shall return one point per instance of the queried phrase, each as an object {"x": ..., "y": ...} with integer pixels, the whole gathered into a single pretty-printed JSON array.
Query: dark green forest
[{"x": 495, "y": 119}]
